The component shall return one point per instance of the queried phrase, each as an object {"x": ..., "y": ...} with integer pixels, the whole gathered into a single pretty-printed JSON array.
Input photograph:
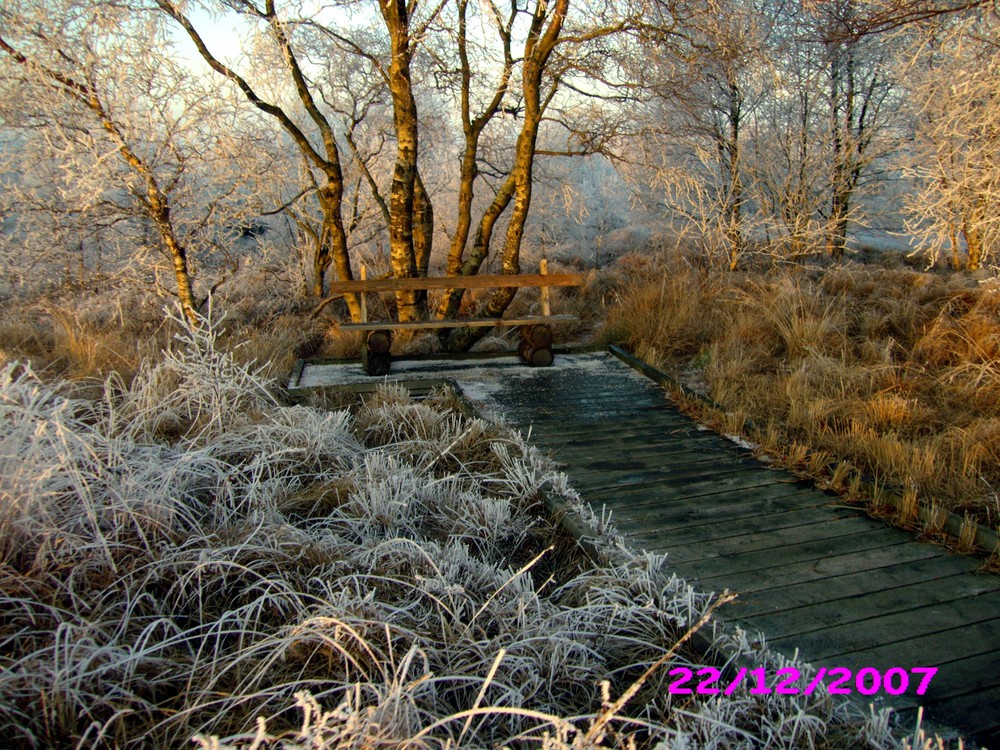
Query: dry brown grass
[
  {"x": 892, "y": 371},
  {"x": 661, "y": 315},
  {"x": 388, "y": 570},
  {"x": 183, "y": 556},
  {"x": 87, "y": 338},
  {"x": 73, "y": 342}
]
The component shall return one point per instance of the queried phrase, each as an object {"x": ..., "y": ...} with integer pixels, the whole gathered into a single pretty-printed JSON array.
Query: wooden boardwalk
[{"x": 811, "y": 574}]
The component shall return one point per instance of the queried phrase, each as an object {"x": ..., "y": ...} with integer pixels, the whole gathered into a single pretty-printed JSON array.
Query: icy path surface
[{"x": 484, "y": 381}]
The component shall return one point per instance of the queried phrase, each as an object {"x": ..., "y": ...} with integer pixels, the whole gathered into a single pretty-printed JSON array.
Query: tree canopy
[{"x": 413, "y": 135}]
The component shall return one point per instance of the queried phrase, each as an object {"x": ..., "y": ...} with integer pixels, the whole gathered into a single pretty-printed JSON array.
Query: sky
[{"x": 224, "y": 37}]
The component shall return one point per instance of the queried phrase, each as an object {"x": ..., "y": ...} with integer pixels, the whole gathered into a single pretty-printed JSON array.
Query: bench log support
[
  {"x": 375, "y": 356},
  {"x": 535, "y": 349}
]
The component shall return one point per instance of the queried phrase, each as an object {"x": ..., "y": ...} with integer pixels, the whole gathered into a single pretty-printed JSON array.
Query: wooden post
[
  {"x": 535, "y": 348},
  {"x": 375, "y": 356},
  {"x": 363, "y": 273},
  {"x": 534, "y": 356},
  {"x": 543, "y": 268},
  {"x": 537, "y": 334}
]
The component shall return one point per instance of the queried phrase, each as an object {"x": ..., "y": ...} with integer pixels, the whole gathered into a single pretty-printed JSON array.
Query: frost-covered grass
[{"x": 188, "y": 558}]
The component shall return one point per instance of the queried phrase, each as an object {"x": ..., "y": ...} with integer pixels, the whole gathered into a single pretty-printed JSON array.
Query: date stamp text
[{"x": 790, "y": 681}]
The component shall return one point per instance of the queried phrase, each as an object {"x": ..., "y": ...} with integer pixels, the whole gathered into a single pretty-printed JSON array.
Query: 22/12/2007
[{"x": 787, "y": 681}]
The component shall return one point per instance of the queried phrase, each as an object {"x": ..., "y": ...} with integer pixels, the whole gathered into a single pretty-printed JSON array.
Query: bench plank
[
  {"x": 456, "y": 323},
  {"x": 458, "y": 282}
]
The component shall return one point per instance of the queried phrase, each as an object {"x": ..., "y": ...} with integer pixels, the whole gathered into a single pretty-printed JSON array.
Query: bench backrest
[{"x": 458, "y": 282}]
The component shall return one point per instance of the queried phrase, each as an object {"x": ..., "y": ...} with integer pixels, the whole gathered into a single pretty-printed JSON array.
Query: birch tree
[
  {"x": 860, "y": 95},
  {"x": 879, "y": 16},
  {"x": 312, "y": 131},
  {"x": 827, "y": 120},
  {"x": 544, "y": 33},
  {"x": 118, "y": 128},
  {"x": 954, "y": 74},
  {"x": 787, "y": 152},
  {"x": 708, "y": 78},
  {"x": 535, "y": 46}
]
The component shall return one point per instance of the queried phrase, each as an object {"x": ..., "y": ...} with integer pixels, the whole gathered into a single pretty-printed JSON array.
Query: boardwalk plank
[
  {"x": 721, "y": 528},
  {"x": 689, "y": 525},
  {"x": 963, "y": 656},
  {"x": 626, "y": 432},
  {"x": 797, "y": 542},
  {"x": 864, "y": 584},
  {"x": 868, "y": 555},
  {"x": 834, "y": 556},
  {"x": 735, "y": 517},
  {"x": 853, "y": 606},
  {"x": 613, "y": 457},
  {"x": 870, "y": 633},
  {"x": 612, "y": 452},
  {"x": 637, "y": 489},
  {"x": 944, "y": 646},
  {"x": 664, "y": 493},
  {"x": 583, "y": 406},
  {"x": 642, "y": 472}
]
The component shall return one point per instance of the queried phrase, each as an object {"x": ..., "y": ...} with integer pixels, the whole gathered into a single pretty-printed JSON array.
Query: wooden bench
[{"x": 535, "y": 348}]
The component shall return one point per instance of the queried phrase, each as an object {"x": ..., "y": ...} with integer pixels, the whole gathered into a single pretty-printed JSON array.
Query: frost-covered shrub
[{"x": 196, "y": 391}]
